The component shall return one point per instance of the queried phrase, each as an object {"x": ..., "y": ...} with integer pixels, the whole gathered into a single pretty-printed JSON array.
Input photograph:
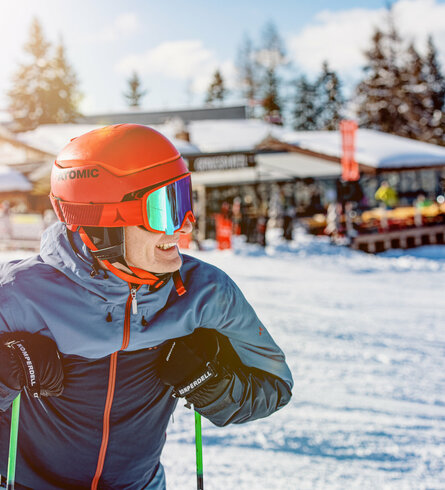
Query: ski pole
[
  {"x": 198, "y": 441},
  {"x": 12, "y": 457}
]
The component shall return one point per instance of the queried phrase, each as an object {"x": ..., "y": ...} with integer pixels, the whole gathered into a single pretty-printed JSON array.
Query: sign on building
[{"x": 220, "y": 161}]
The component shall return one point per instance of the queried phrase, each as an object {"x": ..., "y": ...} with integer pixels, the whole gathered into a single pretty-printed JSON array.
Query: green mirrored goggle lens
[{"x": 168, "y": 206}]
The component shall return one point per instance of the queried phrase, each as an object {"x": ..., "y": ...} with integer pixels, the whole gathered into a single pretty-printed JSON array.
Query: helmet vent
[{"x": 73, "y": 213}]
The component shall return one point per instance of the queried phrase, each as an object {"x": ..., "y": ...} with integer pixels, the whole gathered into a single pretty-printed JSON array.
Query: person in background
[
  {"x": 387, "y": 195},
  {"x": 5, "y": 219},
  {"x": 110, "y": 325}
]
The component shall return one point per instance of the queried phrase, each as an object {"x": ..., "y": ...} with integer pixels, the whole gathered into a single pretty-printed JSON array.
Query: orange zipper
[
  {"x": 110, "y": 392},
  {"x": 106, "y": 422}
]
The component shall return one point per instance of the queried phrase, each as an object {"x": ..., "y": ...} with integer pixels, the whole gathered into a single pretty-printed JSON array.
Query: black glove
[
  {"x": 193, "y": 366},
  {"x": 31, "y": 361}
]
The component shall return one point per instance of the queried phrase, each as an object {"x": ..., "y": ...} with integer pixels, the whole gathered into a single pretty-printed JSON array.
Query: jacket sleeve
[
  {"x": 261, "y": 381},
  {"x": 7, "y": 395}
]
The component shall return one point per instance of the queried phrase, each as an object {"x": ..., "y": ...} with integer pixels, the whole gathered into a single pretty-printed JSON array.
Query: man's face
[{"x": 153, "y": 252}]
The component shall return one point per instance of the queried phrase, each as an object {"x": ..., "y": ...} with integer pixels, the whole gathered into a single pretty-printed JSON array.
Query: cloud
[
  {"x": 174, "y": 59},
  {"x": 342, "y": 37},
  {"x": 123, "y": 25},
  {"x": 186, "y": 60}
]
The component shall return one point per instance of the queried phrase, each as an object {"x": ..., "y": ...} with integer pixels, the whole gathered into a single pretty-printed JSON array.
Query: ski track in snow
[{"x": 364, "y": 337}]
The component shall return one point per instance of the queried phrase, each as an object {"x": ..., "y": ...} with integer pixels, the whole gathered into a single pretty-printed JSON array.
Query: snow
[
  {"x": 364, "y": 337},
  {"x": 373, "y": 148},
  {"x": 51, "y": 138}
]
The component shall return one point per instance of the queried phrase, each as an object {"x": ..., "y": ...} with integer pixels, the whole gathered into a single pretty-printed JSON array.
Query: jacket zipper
[
  {"x": 133, "y": 306},
  {"x": 134, "y": 301}
]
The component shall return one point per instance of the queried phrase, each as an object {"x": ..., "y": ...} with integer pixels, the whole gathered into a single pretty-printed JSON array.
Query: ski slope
[{"x": 365, "y": 339}]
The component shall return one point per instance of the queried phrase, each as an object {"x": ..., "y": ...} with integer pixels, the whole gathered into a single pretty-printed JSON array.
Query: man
[{"x": 109, "y": 325}]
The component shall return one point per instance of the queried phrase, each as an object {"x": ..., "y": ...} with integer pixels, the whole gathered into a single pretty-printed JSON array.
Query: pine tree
[
  {"x": 415, "y": 95},
  {"x": 306, "y": 109},
  {"x": 329, "y": 99},
  {"x": 403, "y": 93},
  {"x": 271, "y": 56},
  {"x": 135, "y": 93},
  {"x": 216, "y": 91},
  {"x": 380, "y": 98},
  {"x": 436, "y": 93},
  {"x": 247, "y": 70},
  {"x": 63, "y": 98},
  {"x": 44, "y": 90}
]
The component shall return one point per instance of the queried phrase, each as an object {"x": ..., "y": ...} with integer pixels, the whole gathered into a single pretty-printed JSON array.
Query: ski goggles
[
  {"x": 168, "y": 207},
  {"x": 162, "y": 209}
]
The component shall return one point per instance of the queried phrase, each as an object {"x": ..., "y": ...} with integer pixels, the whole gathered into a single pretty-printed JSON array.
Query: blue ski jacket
[{"x": 107, "y": 429}]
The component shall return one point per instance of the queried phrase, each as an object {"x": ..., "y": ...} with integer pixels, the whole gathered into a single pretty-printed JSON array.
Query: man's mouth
[{"x": 166, "y": 246}]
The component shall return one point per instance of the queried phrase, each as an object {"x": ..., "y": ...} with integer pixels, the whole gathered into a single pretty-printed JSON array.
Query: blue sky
[{"x": 176, "y": 46}]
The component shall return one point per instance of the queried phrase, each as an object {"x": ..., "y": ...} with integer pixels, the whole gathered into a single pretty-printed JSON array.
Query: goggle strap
[
  {"x": 149, "y": 279},
  {"x": 126, "y": 213}
]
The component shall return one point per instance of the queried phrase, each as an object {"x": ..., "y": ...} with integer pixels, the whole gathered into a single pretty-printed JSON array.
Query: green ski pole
[
  {"x": 13, "y": 443},
  {"x": 198, "y": 441}
]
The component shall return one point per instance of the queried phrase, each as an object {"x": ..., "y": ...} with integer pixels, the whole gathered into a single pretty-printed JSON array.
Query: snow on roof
[
  {"x": 232, "y": 135},
  {"x": 373, "y": 148},
  {"x": 11, "y": 180},
  {"x": 213, "y": 136},
  {"x": 51, "y": 138}
]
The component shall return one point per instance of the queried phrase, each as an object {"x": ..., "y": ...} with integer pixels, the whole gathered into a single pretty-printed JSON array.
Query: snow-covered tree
[
  {"x": 380, "y": 97},
  {"x": 134, "y": 93},
  {"x": 216, "y": 91},
  {"x": 436, "y": 93},
  {"x": 329, "y": 99},
  {"x": 415, "y": 95},
  {"x": 64, "y": 96},
  {"x": 305, "y": 112},
  {"x": 270, "y": 57},
  {"x": 402, "y": 93},
  {"x": 44, "y": 88},
  {"x": 318, "y": 105},
  {"x": 247, "y": 71}
]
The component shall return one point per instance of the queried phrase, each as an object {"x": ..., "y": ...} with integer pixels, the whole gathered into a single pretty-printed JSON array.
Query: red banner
[{"x": 349, "y": 166}]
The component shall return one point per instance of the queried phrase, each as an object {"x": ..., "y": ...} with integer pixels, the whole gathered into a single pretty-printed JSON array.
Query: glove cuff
[
  {"x": 20, "y": 352},
  {"x": 201, "y": 378}
]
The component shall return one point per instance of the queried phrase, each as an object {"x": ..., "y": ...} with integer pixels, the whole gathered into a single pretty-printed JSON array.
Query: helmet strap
[{"x": 108, "y": 246}]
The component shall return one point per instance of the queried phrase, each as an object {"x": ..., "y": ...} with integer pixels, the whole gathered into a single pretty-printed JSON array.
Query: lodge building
[{"x": 232, "y": 157}]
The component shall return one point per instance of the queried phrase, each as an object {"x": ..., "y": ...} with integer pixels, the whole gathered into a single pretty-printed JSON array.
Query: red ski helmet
[
  {"x": 108, "y": 177},
  {"x": 118, "y": 176}
]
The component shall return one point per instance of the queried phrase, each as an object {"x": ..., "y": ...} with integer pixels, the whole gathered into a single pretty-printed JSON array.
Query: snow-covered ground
[{"x": 365, "y": 339}]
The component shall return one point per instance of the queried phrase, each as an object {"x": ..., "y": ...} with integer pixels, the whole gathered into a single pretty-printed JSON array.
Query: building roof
[
  {"x": 374, "y": 149},
  {"x": 51, "y": 138},
  {"x": 160, "y": 117},
  {"x": 310, "y": 153}
]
